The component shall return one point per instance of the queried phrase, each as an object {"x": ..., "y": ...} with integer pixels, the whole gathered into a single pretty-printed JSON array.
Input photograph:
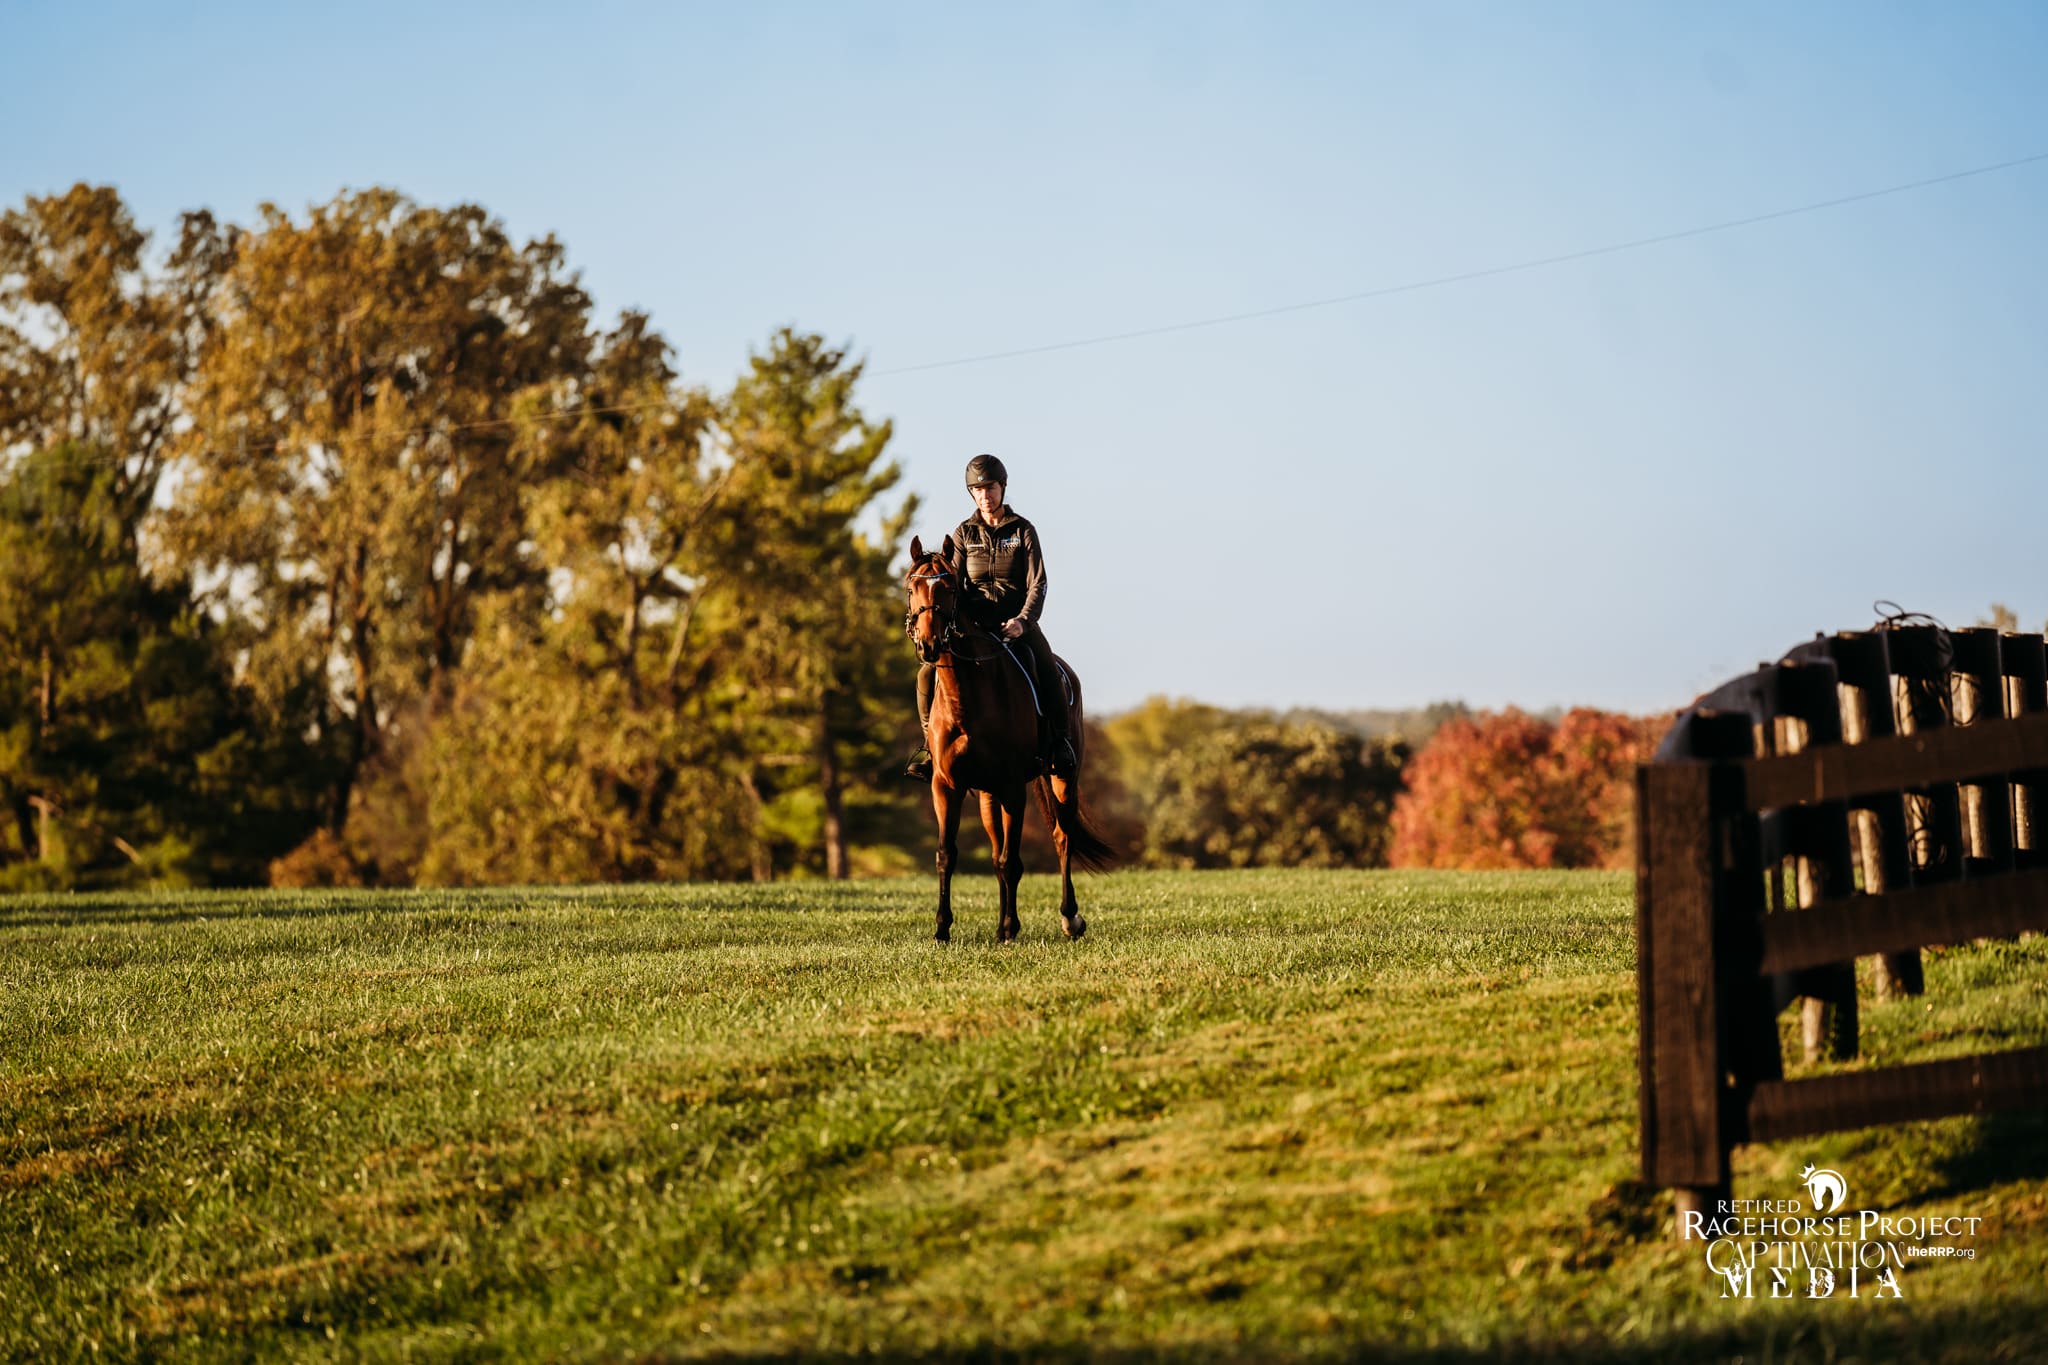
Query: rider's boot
[
  {"x": 1060, "y": 759},
  {"x": 920, "y": 765}
]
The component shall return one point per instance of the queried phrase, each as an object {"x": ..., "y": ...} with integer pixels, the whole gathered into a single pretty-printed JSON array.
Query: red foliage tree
[{"x": 1510, "y": 790}]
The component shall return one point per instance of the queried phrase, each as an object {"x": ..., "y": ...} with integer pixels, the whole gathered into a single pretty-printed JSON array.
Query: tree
[
  {"x": 2002, "y": 617},
  {"x": 93, "y": 347},
  {"x": 126, "y": 752},
  {"x": 1268, "y": 795},
  {"x": 544, "y": 769},
  {"x": 591, "y": 737},
  {"x": 1509, "y": 790},
  {"x": 802, "y": 554},
  {"x": 1143, "y": 739},
  {"x": 347, "y": 485}
]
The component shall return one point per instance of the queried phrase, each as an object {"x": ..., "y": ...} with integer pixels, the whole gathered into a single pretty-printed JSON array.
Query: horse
[{"x": 983, "y": 737}]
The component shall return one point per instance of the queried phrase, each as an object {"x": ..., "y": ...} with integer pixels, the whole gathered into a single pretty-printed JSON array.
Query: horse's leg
[
  {"x": 1010, "y": 863},
  {"x": 1065, "y": 793},
  {"x": 992, "y": 825},
  {"x": 946, "y": 802}
]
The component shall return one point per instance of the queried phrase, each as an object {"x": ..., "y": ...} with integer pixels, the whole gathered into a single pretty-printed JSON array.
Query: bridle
[
  {"x": 950, "y": 633},
  {"x": 948, "y": 620}
]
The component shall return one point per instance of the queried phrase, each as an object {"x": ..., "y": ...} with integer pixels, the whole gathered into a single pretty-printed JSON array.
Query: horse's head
[{"x": 934, "y": 599}]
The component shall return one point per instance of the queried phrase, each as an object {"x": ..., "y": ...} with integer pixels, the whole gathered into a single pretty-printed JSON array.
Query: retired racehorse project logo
[
  {"x": 1827, "y": 1189},
  {"x": 1816, "y": 1248}
]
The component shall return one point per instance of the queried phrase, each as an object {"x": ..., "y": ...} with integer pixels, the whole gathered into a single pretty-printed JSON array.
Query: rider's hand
[{"x": 1013, "y": 628}]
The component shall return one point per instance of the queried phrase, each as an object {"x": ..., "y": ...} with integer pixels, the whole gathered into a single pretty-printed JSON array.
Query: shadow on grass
[
  {"x": 2007, "y": 1329},
  {"x": 89, "y": 910},
  {"x": 2011, "y": 1145},
  {"x": 186, "y": 907}
]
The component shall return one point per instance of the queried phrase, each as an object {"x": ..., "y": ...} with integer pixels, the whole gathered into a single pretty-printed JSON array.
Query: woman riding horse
[
  {"x": 986, "y": 733},
  {"x": 1001, "y": 568}
]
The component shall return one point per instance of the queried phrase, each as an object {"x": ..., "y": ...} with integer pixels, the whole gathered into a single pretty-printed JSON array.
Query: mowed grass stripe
[{"x": 1286, "y": 1114}]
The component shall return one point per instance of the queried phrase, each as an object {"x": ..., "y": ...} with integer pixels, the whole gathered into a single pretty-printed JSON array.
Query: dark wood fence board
[
  {"x": 1894, "y": 762},
  {"x": 1945, "y": 913},
  {"x": 1898, "y": 1094}
]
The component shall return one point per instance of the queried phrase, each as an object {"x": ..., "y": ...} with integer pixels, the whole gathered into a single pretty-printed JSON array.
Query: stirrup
[
  {"x": 1062, "y": 760},
  {"x": 920, "y": 765}
]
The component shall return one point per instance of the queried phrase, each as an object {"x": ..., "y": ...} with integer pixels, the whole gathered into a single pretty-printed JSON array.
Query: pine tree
[
  {"x": 803, "y": 551},
  {"x": 126, "y": 752}
]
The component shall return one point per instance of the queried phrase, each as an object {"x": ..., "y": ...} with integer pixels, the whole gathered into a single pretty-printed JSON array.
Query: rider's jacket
[{"x": 1001, "y": 568}]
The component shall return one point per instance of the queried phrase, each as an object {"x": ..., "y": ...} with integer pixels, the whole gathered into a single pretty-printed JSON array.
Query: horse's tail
[{"x": 1085, "y": 844}]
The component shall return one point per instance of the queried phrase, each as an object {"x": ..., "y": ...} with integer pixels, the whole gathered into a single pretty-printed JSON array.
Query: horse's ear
[
  {"x": 946, "y": 551},
  {"x": 916, "y": 550}
]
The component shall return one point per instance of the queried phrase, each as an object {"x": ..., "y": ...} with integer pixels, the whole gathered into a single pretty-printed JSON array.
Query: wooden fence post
[
  {"x": 1919, "y": 658},
  {"x": 2023, "y": 660},
  {"x": 1681, "y": 1103},
  {"x": 1818, "y": 838},
  {"x": 1865, "y": 695},
  {"x": 1977, "y": 692},
  {"x": 1703, "y": 1008}
]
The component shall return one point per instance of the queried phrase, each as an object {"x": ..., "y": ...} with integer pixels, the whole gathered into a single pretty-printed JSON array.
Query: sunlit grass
[{"x": 1269, "y": 1114}]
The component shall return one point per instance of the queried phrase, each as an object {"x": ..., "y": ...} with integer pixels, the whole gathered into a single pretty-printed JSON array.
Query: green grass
[{"x": 1275, "y": 1115}]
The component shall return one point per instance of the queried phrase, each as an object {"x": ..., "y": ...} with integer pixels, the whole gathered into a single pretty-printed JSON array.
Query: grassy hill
[{"x": 1277, "y": 1115}]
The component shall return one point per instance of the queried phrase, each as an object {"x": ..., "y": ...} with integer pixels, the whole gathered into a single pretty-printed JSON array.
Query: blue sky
[{"x": 1611, "y": 482}]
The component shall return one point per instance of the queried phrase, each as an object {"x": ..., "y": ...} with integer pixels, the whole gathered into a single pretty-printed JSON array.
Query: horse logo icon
[{"x": 1827, "y": 1189}]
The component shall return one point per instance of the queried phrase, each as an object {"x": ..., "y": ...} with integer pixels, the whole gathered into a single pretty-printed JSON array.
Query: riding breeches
[{"x": 1052, "y": 696}]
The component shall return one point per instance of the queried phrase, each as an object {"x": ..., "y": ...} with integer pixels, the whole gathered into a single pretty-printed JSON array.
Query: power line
[
  {"x": 1226, "y": 319},
  {"x": 1463, "y": 277}
]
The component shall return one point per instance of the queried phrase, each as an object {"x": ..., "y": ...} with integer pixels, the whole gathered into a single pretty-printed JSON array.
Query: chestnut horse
[{"x": 983, "y": 735}]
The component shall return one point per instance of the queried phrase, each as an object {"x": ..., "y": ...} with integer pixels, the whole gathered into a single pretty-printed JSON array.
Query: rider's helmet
[{"x": 986, "y": 469}]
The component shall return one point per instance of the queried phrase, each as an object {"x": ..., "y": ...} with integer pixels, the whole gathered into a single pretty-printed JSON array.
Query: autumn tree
[
  {"x": 592, "y": 736},
  {"x": 1509, "y": 790},
  {"x": 346, "y": 485},
  {"x": 2001, "y": 617},
  {"x": 94, "y": 345}
]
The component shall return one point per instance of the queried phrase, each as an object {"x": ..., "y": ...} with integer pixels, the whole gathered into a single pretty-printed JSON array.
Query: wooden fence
[{"x": 1871, "y": 794}]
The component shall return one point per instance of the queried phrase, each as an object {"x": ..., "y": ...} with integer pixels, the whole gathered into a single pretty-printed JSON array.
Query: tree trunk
[
  {"x": 364, "y": 737},
  {"x": 46, "y": 811},
  {"x": 835, "y": 804},
  {"x": 25, "y": 826},
  {"x": 757, "y": 847},
  {"x": 46, "y": 715},
  {"x": 629, "y": 642}
]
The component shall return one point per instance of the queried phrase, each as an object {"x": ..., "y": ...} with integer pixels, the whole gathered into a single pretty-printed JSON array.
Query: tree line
[{"x": 353, "y": 548}]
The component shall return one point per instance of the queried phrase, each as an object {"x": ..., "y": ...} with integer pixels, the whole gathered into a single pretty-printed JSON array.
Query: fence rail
[{"x": 1869, "y": 795}]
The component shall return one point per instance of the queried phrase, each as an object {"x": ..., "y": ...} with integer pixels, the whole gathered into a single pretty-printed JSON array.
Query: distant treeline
[{"x": 352, "y": 548}]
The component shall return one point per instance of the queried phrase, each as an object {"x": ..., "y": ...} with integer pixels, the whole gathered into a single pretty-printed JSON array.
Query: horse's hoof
[
  {"x": 943, "y": 936},
  {"x": 1074, "y": 925}
]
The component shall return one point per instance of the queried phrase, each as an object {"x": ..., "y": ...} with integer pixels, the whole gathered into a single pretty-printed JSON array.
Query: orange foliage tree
[{"x": 1509, "y": 790}]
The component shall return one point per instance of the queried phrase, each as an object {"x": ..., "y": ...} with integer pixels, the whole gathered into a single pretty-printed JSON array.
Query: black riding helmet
[{"x": 986, "y": 469}]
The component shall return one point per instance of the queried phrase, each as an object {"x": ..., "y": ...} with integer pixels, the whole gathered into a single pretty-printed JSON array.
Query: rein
[
  {"x": 952, "y": 634},
  {"x": 952, "y": 649}
]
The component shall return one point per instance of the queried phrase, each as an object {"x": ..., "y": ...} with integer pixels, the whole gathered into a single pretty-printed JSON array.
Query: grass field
[{"x": 1253, "y": 1115}]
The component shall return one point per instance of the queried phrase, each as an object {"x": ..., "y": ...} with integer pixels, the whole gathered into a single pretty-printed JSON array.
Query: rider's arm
[
  {"x": 1034, "y": 579},
  {"x": 958, "y": 562}
]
